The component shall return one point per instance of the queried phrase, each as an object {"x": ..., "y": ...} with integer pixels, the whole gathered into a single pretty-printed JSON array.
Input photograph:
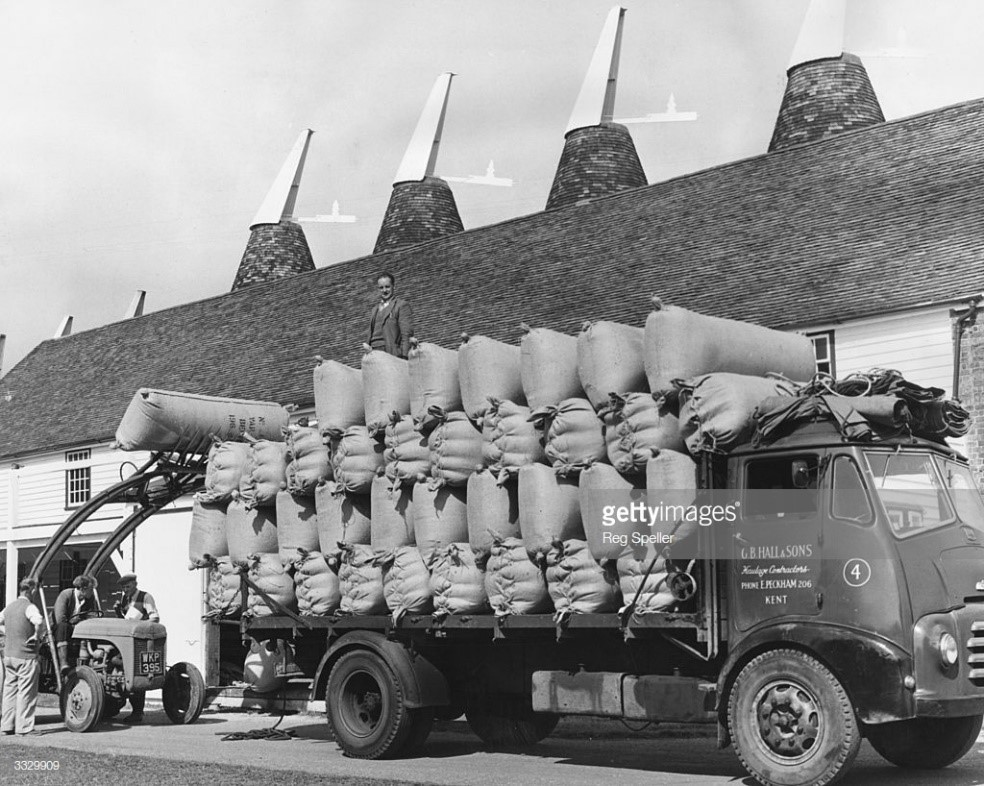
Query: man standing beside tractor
[
  {"x": 135, "y": 604},
  {"x": 22, "y": 624}
]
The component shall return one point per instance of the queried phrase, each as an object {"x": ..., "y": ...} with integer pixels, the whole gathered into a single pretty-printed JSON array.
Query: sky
[{"x": 138, "y": 139}]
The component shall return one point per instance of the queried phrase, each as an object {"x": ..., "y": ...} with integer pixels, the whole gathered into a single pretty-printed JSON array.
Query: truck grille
[{"x": 975, "y": 644}]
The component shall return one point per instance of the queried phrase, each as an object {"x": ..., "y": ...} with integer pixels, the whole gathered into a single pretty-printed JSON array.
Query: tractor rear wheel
[{"x": 183, "y": 694}]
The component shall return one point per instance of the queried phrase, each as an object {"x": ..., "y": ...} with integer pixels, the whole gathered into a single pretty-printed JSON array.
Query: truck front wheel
[
  {"x": 367, "y": 711},
  {"x": 516, "y": 729},
  {"x": 925, "y": 743},
  {"x": 791, "y": 720}
]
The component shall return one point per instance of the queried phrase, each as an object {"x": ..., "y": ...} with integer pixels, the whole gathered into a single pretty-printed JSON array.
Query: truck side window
[
  {"x": 848, "y": 499},
  {"x": 778, "y": 487}
]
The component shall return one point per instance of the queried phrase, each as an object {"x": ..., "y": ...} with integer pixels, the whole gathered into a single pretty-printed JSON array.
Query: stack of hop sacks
[
  {"x": 208, "y": 545},
  {"x": 705, "y": 376},
  {"x": 251, "y": 526},
  {"x": 316, "y": 583},
  {"x": 458, "y": 480},
  {"x": 343, "y": 502}
]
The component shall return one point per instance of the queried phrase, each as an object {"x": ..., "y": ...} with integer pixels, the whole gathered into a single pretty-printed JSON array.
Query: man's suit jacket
[{"x": 397, "y": 326}]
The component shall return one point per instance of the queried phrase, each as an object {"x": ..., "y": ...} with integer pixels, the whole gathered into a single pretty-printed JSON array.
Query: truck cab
[{"x": 867, "y": 558}]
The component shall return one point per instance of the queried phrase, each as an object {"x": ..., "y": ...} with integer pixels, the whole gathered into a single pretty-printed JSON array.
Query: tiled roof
[{"x": 882, "y": 218}]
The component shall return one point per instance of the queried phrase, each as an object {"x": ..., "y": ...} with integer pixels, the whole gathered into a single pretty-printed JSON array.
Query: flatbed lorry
[{"x": 860, "y": 614}]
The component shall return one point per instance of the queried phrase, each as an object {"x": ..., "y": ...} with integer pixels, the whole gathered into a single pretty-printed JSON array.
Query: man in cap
[
  {"x": 71, "y": 606},
  {"x": 22, "y": 624},
  {"x": 135, "y": 604}
]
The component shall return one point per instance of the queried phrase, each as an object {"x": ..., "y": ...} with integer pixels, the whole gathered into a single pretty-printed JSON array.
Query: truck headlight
[{"x": 949, "y": 652}]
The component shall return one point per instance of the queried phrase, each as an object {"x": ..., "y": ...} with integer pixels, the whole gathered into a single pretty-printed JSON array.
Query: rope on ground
[{"x": 271, "y": 734}]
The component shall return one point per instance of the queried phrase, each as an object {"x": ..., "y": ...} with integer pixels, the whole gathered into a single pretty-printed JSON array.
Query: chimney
[
  {"x": 421, "y": 206},
  {"x": 64, "y": 327},
  {"x": 3, "y": 344},
  {"x": 277, "y": 246},
  {"x": 599, "y": 157},
  {"x": 136, "y": 308},
  {"x": 827, "y": 90}
]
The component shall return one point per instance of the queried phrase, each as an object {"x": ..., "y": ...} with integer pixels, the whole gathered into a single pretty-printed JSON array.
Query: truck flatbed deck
[{"x": 499, "y": 627}]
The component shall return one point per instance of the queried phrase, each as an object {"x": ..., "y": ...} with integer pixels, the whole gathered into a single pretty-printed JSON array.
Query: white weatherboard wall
[
  {"x": 919, "y": 344},
  {"x": 160, "y": 560}
]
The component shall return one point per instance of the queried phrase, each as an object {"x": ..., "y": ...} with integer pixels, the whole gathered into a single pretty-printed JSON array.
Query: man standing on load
[
  {"x": 135, "y": 604},
  {"x": 22, "y": 623},
  {"x": 391, "y": 321}
]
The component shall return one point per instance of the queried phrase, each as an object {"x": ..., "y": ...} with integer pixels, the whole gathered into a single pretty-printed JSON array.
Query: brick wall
[
  {"x": 273, "y": 251},
  {"x": 823, "y": 98},
  {"x": 597, "y": 161},
  {"x": 971, "y": 391},
  {"x": 418, "y": 211}
]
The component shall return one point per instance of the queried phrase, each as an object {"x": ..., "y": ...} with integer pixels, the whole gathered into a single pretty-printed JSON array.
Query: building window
[
  {"x": 823, "y": 350},
  {"x": 78, "y": 479}
]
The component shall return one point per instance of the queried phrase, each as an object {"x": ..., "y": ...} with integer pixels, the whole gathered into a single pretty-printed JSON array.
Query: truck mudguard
[
  {"x": 871, "y": 668},
  {"x": 423, "y": 684}
]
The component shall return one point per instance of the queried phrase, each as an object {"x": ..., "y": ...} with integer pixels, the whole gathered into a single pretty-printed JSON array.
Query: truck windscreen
[
  {"x": 910, "y": 488},
  {"x": 964, "y": 493}
]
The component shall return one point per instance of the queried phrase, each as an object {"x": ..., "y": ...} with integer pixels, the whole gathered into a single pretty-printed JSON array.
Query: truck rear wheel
[
  {"x": 183, "y": 694},
  {"x": 791, "y": 721},
  {"x": 82, "y": 700},
  {"x": 925, "y": 743},
  {"x": 367, "y": 711},
  {"x": 514, "y": 729}
]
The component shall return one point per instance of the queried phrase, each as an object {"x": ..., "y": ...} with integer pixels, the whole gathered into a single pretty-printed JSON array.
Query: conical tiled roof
[
  {"x": 825, "y": 97},
  {"x": 273, "y": 251},
  {"x": 418, "y": 211},
  {"x": 597, "y": 161}
]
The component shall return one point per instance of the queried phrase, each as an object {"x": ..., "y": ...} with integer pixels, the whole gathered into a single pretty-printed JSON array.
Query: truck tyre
[
  {"x": 82, "y": 700},
  {"x": 367, "y": 711},
  {"x": 791, "y": 721},
  {"x": 518, "y": 729},
  {"x": 183, "y": 694},
  {"x": 925, "y": 743}
]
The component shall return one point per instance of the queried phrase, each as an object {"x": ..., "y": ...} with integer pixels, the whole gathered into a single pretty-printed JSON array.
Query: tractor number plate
[{"x": 151, "y": 663}]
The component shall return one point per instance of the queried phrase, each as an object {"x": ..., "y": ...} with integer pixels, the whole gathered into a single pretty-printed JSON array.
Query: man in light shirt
[
  {"x": 135, "y": 604},
  {"x": 22, "y": 624}
]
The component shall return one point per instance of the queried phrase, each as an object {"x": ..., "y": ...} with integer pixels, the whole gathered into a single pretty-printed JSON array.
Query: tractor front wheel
[{"x": 82, "y": 699}]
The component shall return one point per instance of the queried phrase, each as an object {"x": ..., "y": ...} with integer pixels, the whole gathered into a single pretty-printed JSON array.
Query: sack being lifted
[{"x": 184, "y": 422}]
